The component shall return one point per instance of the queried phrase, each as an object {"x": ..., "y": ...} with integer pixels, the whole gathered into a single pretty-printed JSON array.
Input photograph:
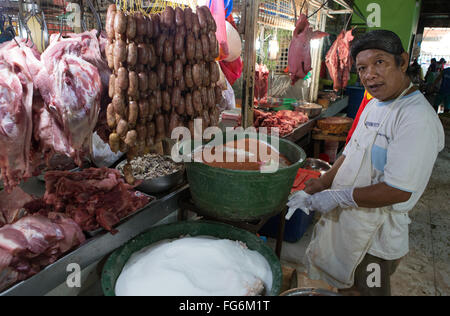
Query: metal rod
[
  {"x": 343, "y": 3},
  {"x": 324, "y": 4},
  {"x": 295, "y": 10}
]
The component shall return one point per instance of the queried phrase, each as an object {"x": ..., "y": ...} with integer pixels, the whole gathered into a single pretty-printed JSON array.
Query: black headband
[{"x": 379, "y": 39}]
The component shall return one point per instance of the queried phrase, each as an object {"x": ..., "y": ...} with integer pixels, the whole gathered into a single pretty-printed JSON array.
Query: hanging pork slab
[{"x": 339, "y": 60}]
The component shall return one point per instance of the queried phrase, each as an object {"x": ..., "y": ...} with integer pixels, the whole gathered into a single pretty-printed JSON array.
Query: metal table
[
  {"x": 334, "y": 108},
  {"x": 304, "y": 129},
  {"x": 97, "y": 247}
]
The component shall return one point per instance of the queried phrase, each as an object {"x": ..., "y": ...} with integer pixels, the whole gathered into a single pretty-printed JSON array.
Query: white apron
[{"x": 342, "y": 237}]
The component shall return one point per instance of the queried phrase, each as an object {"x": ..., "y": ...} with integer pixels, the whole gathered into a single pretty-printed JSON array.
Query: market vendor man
[{"x": 365, "y": 197}]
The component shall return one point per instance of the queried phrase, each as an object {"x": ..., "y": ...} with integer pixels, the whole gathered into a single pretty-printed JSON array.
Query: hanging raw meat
[
  {"x": 299, "y": 56},
  {"x": 48, "y": 104},
  {"x": 16, "y": 95},
  {"x": 339, "y": 61},
  {"x": 261, "y": 81},
  {"x": 71, "y": 88},
  {"x": 94, "y": 52},
  {"x": 286, "y": 121}
]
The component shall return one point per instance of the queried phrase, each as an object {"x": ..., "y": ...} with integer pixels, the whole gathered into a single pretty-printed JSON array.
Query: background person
[{"x": 443, "y": 96}]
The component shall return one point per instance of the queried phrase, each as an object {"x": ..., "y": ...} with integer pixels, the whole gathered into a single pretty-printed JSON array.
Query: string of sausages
[{"x": 164, "y": 75}]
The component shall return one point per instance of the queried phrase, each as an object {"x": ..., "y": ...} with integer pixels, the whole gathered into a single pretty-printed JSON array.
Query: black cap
[{"x": 384, "y": 40}]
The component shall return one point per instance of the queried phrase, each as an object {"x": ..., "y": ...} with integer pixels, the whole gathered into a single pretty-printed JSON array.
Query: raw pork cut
[
  {"x": 93, "y": 51},
  {"x": 71, "y": 89},
  {"x": 17, "y": 66},
  {"x": 339, "y": 61},
  {"x": 299, "y": 55},
  {"x": 33, "y": 242},
  {"x": 11, "y": 205},
  {"x": 49, "y": 104},
  {"x": 261, "y": 81}
]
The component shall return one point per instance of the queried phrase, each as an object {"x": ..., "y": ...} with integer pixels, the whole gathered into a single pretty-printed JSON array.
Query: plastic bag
[
  {"x": 228, "y": 7},
  {"x": 217, "y": 9},
  {"x": 102, "y": 156},
  {"x": 229, "y": 99},
  {"x": 234, "y": 43},
  {"x": 233, "y": 70}
]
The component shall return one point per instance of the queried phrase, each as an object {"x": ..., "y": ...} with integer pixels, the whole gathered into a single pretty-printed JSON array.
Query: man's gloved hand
[
  {"x": 328, "y": 200},
  {"x": 298, "y": 200}
]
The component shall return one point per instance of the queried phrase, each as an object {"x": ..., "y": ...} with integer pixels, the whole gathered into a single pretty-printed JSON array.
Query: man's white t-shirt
[{"x": 403, "y": 156}]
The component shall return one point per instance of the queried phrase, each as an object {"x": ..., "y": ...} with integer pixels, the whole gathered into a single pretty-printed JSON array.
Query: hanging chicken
[{"x": 299, "y": 56}]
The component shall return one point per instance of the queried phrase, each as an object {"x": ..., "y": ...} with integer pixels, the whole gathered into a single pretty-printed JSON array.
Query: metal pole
[
  {"x": 251, "y": 17},
  {"x": 317, "y": 59}
]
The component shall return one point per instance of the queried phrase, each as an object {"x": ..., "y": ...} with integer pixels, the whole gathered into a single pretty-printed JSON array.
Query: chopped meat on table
[
  {"x": 286, "y": 121},
  {"x": 93, "y": 198}
]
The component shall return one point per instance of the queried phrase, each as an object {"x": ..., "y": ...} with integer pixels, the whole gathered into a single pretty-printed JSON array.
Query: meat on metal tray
[{"x": 97, "y": 231}]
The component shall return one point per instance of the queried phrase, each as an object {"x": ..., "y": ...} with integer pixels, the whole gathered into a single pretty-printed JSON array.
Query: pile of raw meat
[
  {"x": 164, "y": 75},
  {"x": 93, "y": 198},
  {"x": 286, "y": 121},
  {"x": 339, "y": 60},
  {"x": 49, "y": 103},
  {"x": 33, "y": 241},
  {"x": 36, "y": 232}
]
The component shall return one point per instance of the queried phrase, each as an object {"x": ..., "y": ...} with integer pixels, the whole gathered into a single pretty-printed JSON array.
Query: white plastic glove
[
  {"x": 298, "y": 200},
  {"x": 328, "y": 200}
]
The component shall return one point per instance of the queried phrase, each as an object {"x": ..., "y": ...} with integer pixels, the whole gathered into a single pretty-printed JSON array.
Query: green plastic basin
[
  {"x": 115, "y": 263},
  {"x": 244, "y": 195}
]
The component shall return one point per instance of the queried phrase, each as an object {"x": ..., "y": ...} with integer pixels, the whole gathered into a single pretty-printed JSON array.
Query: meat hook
[
  {"x": 324, "y": 4},
  {"x": 25, "y": 26},
  {"x": 348, "y": 21},
  {"x": 83, "y": 22},
  {"x": 44, "y": 29},
  {"x": 97, "y": 17}
]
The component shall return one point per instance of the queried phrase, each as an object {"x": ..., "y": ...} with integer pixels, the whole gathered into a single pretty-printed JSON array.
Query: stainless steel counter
[
  {"x": 334, "y": 108},
  {"x": 303, "y": 130},
  {"x": 97, "y": 247}
]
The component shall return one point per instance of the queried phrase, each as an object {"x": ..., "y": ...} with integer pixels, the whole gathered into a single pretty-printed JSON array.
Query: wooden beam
[{"x": 251, "y": 18}]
